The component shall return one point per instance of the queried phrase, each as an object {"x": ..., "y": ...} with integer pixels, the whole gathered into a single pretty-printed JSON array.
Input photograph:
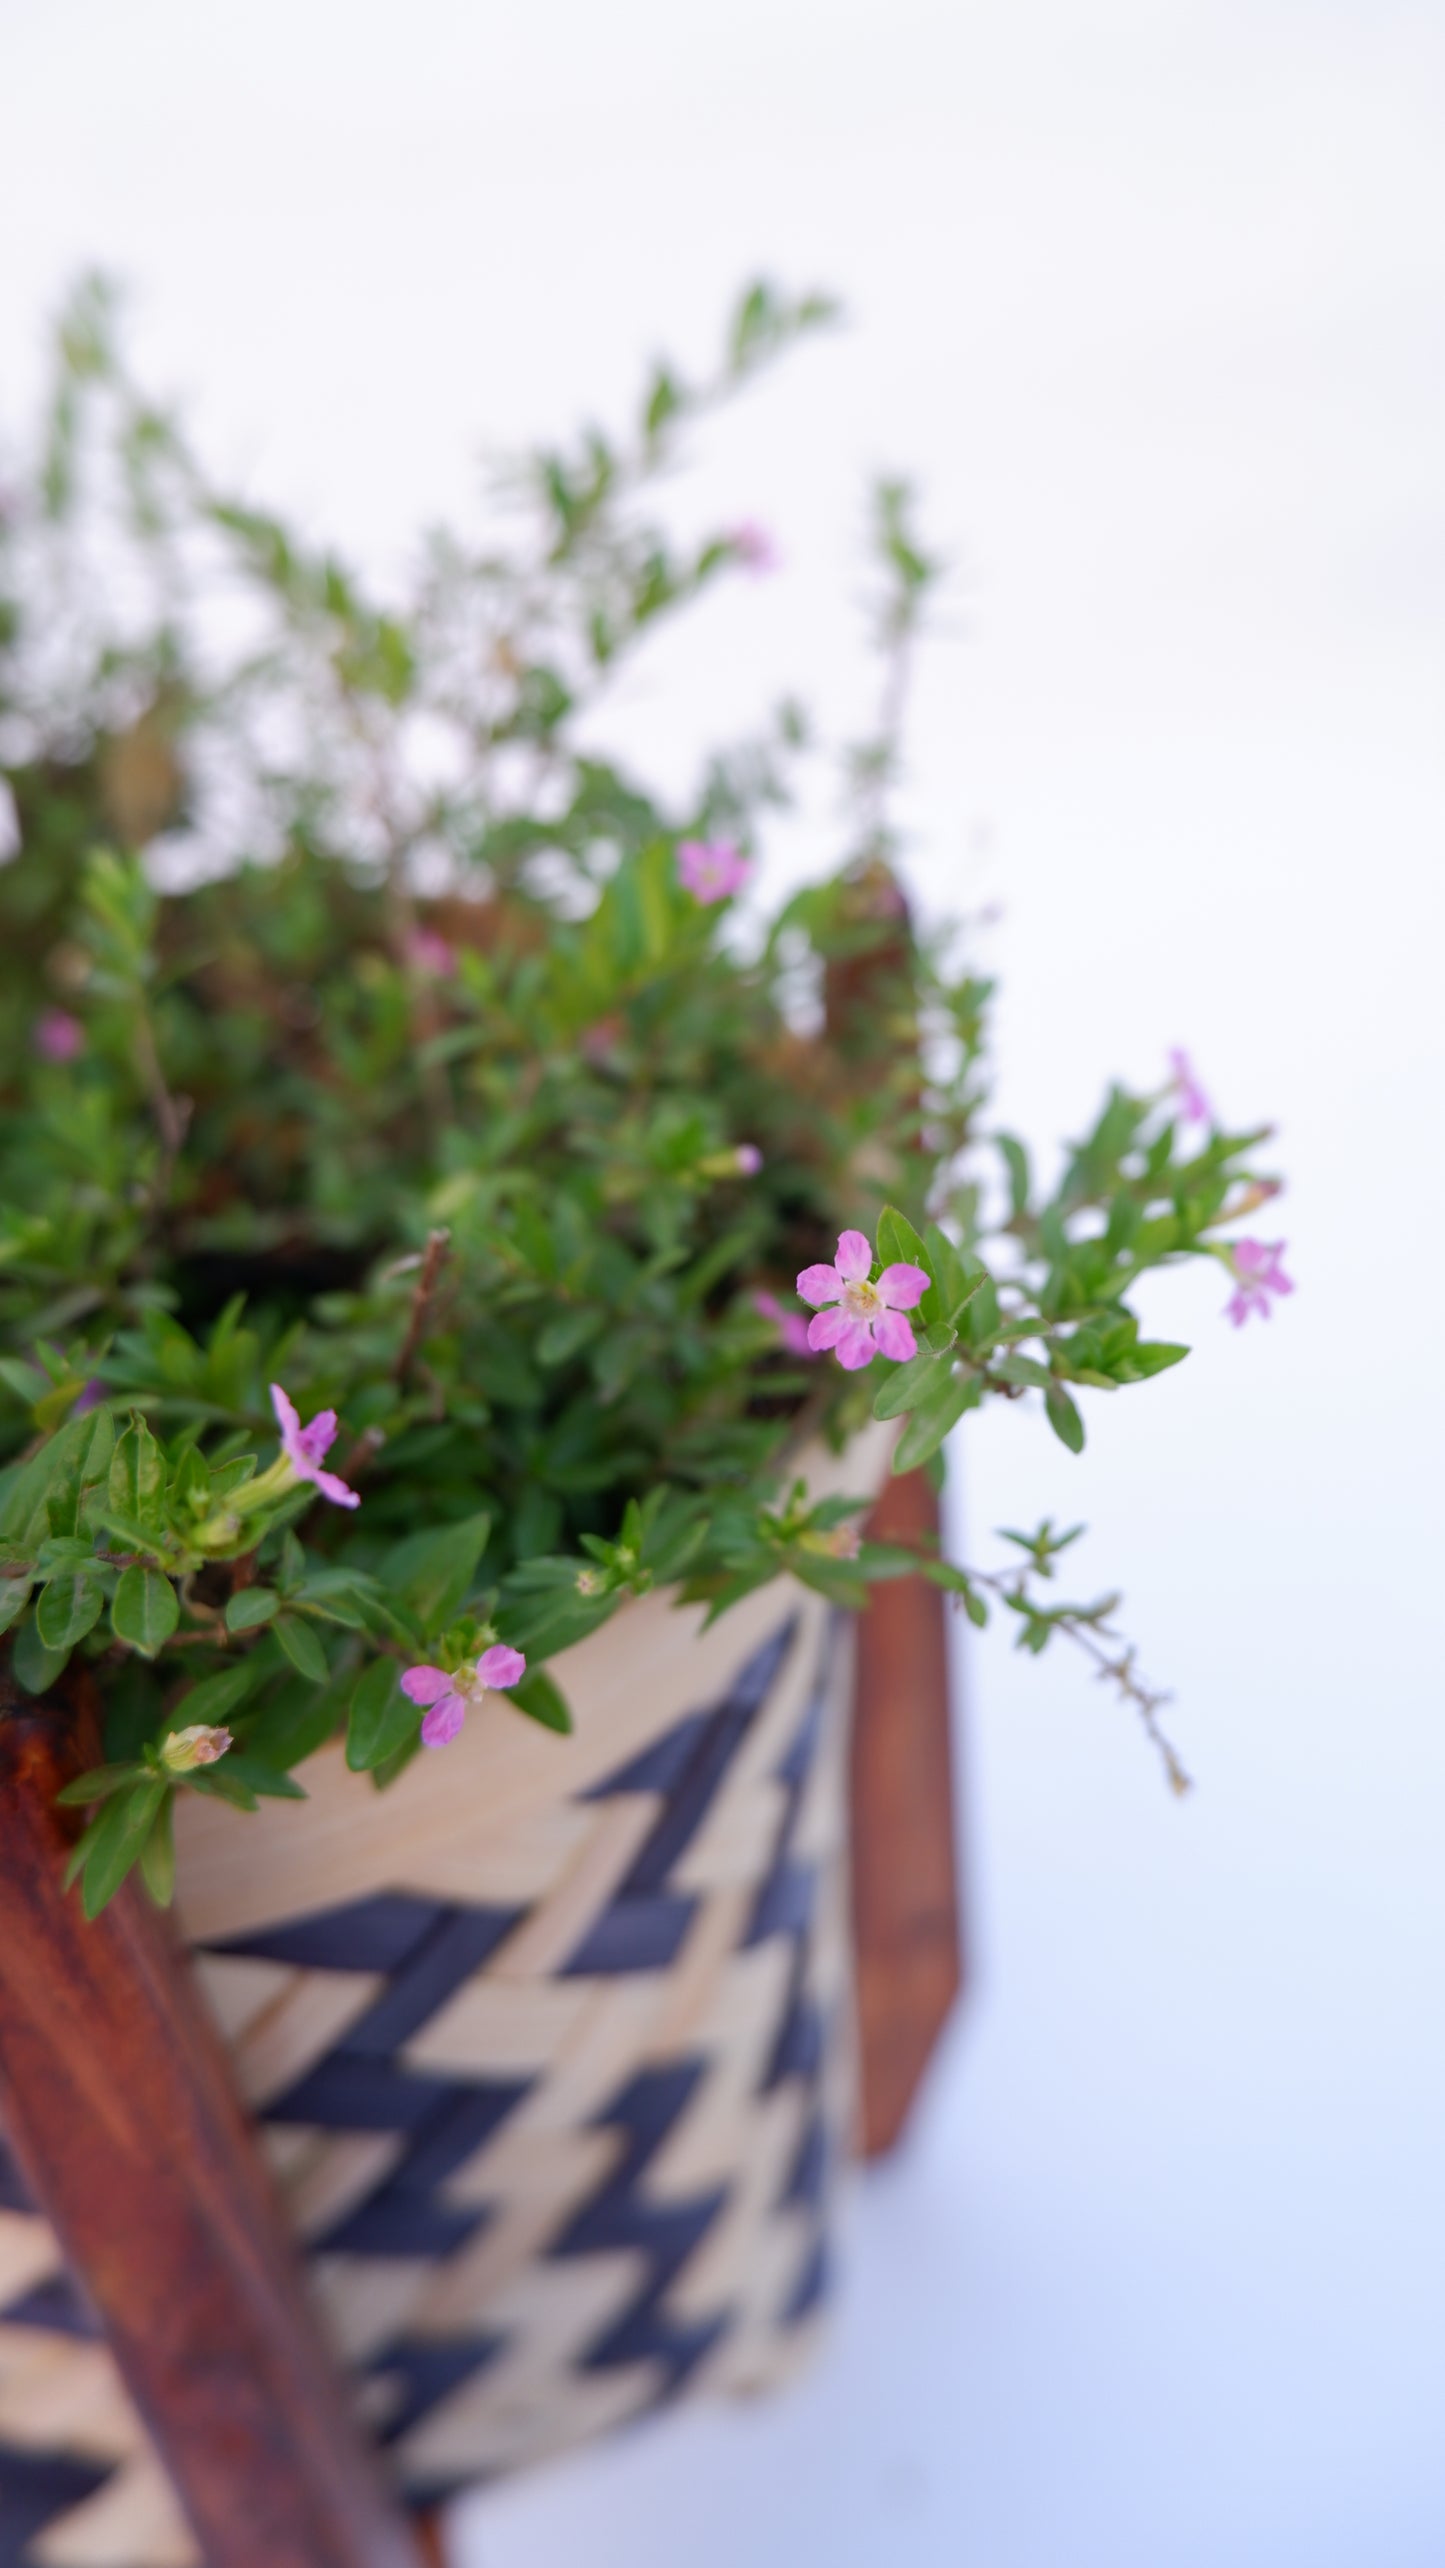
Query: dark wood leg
[
  {"x": 906, "y": 1922},
  {"x": 117, "y": 2101}
]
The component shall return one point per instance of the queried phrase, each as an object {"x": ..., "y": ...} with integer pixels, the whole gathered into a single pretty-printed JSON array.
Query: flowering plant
[{"x": 377, "y": 1047}]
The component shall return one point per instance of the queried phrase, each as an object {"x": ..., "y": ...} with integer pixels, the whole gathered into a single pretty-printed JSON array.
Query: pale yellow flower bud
[{"x": 198, "y": 1746}]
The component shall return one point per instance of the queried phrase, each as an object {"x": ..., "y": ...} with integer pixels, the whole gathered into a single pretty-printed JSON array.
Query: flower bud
[{"x": 200, "y": 1745}]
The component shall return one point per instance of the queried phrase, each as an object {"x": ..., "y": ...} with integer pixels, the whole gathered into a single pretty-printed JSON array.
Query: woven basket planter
[{"x": 551, "y": 2050}]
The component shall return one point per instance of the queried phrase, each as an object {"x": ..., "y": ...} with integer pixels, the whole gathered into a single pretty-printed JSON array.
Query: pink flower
[
  {"x": 712, "y": 869},
  {"x": 791, "y": 1326},
  {"x": 753, "y": 545},
  {"x": 430, "y": 954},
  {"x": 58, "y": 1036},
  {"x": 868, "y": 1319},
  {"x": 1193, "y": 1103},
  {"x": 306, "y": 1448},
  {"x": 450, "y": 1697},
  {"x": 747, "y": 1159},
  {"x": 1255, "y": 1266}
]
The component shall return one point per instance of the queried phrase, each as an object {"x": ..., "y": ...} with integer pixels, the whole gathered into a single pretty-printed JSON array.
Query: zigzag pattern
[{"x": 558, "y": 2151}]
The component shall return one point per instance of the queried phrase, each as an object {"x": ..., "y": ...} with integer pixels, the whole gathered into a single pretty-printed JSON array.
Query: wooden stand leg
[
  {"x": 117, "y": 2101},
  {"x": 906, "y": 1922}
]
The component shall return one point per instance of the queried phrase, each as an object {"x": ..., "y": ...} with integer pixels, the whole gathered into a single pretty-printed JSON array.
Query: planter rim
[{"x": 502, "y": 1776}]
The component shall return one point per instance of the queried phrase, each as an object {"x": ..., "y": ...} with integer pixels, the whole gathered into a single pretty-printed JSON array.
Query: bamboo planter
[{"x": 552, "y": 2051}]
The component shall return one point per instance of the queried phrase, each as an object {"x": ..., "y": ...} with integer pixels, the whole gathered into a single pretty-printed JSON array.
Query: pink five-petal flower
[
  {"x": 864, "y": 1319},
  {"x": 1194, "y": 1105},
  {"x": 1255, "y": 1266},
  {"x": 58, "y": 1036},
  {"x": 449, "y": 1697},
  {"x": 306, "y": 1448},
  {"x": 791, "y": 1326},
  {"x": 447, "y": 1708},
  {"x": 712, "y": 869}
]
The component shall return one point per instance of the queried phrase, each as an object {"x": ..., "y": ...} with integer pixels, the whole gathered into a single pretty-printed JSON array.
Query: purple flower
[
  {"x": 712, "y": 869},
  {"x": 791, "y": 1326},
  {"x": 868, "y": 1318},
  {"x": 1255, "y": 1266},
  {"x": 450, "y": 1697},
  {"x": 753, "y": 545},
  {"x": 430, "y": 954},
  {"x": 1194, "y": 1106},
  {"x": 58, "y": 1036},
  {"x": 306, "y": 1448},
  {"x": 747, "y": 1159}
]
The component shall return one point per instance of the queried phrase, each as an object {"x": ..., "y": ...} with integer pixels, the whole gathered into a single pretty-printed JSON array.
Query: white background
[{"x": 1150, "y": 298}]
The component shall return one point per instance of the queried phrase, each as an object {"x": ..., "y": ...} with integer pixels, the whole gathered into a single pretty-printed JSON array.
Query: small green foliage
[
  {"x": 506, "y": 1178},
  {"x": 381, "y": 1720},
  {"x": 145, "y": 1610},
  {"x": 542, "y": 1699}
]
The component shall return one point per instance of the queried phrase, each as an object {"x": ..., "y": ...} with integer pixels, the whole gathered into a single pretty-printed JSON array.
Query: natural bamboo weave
[{"x": 551, "y": 2050}]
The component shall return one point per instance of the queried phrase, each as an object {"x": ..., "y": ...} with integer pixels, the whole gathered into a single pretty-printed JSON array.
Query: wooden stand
[
  {"x": 907, "y": 1936},
  {"x": 118, "y": 2104}
]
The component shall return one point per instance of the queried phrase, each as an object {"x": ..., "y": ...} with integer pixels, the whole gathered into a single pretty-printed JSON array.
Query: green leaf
[
  {"x": 1024, "y": 1371},
  {"x": 566, "y": 1336},
  {"x": 27, "y": 1381},
  {"x": 98, "y": 1783},
  {"x": 113, "y": 1843},
  {"x": 1016, "y": 1160},
  {"x": 217, "y": 1783},
  {"x": 1064, "y": 1418},
  {"x": 260, "y": 1776},
  {"x": 144, "y": 1610},
  {"x": 1151, "y": 1356},
  {"x": 542, "y": 1700},
  {"x": 189, "y": 1495},
  {"x": 44, "y": 1496},
  {"x": 250, "y": 1607},
  {"x": 927, "y": 1427},
  {"x": 158, "y": 1855},
  {"x": 35, "y": 1667},
  {"x": 14, "y": 1593},
  {"x": 215, "y": 1698},
  {"x": 958, "y": 1583},
  {"x": 433, "y": 1572},
  {"x": 302, "y": 1648},
  {"x": 136, "y": 1487},
  {"x": 345, "y": 1596},
  {"x": 909, "y": 1386},
  {"x": 957, "y": 1274},
  {"x": 381, "y": 1719},
  {"x": 86, "y": 1463},
  {"x": 67, "y": 1609},
  {"x": 898, "y": 1241}
]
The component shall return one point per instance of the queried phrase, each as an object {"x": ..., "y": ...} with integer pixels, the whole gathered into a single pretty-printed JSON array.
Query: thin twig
[
  {"x": 1119, "y": 1670},
  {"x": 438, "y": 1242}
]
